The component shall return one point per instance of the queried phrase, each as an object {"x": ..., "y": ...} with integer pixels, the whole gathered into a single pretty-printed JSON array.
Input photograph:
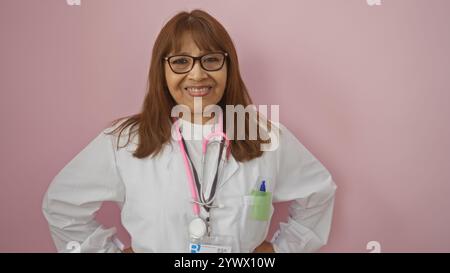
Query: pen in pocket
[{"x": 262, "y": 202}]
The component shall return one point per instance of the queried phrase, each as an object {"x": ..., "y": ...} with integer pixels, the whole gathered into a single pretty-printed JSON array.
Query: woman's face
[{"x": 206, "y": 86}]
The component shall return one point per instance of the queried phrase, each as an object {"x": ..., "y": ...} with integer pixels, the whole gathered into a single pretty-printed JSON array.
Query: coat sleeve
[
  {"x": 76, "y": 194},
  {"x": 302, "y": 179}
]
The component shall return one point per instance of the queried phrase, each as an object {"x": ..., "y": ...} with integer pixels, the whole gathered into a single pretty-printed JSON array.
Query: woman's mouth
[{"x": 198, "y": 91}]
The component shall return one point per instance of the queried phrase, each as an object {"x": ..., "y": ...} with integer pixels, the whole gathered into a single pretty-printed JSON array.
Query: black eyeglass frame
[{"x": 199, "y": 58}]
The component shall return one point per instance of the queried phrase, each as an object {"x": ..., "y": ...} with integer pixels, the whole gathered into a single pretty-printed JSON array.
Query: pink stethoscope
[{"x": 199, "y": 227}]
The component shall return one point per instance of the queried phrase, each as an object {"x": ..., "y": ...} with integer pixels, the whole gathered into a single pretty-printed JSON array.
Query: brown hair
[{"x": 154, "y": 122}]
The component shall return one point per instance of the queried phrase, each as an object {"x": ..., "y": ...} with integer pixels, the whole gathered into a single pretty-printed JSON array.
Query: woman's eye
[
  {"x": 211, "y": 59},
  {"x": 180, "y": 61}
]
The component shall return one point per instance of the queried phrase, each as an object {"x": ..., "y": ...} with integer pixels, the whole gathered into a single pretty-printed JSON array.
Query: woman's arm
[
  {"x": 77, "y": 193},
  {"x": 304, "y": 180}
]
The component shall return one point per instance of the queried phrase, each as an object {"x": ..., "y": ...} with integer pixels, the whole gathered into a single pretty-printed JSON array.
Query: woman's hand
[
  {"x": 265, "y": 247},
  {"x": 128, "y": 250}
]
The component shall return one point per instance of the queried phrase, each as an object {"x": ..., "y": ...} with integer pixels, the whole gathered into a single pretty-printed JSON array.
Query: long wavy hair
[{"x": 153, "y": 124}]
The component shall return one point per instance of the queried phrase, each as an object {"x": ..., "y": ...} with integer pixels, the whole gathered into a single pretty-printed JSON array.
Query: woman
[{"x": 151, "y": 163}]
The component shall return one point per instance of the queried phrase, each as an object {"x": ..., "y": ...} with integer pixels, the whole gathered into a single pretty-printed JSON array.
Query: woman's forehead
[
  {"x": 193, "y": 51},
  {"x": 188, "y": 44}
]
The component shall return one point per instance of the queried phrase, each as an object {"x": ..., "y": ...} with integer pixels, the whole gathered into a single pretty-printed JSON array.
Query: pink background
[{"x": 365, "y": 88}]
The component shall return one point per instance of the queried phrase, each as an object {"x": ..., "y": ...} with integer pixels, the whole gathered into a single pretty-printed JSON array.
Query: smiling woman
[
  {"x": 186, "y": 78},
  {"x": 193, "y": 57},
  {"x": 185, "y": 195}
]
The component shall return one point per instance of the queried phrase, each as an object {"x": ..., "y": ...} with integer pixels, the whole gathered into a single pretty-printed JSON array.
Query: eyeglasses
[{"x": 181, "y": 64}]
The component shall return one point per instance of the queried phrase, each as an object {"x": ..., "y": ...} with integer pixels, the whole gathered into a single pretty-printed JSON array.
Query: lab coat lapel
[
  {"x": 173, "y": 151},
  {"x": 174, "y": 161},
  {"x": 230, "y": 168}
]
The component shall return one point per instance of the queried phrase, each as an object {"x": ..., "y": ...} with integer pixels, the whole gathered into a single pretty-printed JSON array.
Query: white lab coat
[{"x": 154, "y": 197}]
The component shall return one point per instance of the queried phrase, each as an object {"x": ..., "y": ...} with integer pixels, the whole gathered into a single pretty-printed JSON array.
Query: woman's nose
[{"x": 197, "y": 72}]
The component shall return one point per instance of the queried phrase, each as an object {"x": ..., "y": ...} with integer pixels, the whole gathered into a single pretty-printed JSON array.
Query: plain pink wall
[{"x": 365, "y": 88}]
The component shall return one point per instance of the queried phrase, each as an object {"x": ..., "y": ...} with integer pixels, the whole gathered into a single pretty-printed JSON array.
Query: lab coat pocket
[{"x": 255, "y": 220}]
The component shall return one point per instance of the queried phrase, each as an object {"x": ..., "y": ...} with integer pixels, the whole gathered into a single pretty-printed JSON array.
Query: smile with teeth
[{"x": 198, "y": 91}]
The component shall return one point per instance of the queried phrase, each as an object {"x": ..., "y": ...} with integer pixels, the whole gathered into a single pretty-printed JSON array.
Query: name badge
[
  {"x": 204, "y": 248},
  {"x": 211, "y": 244}
]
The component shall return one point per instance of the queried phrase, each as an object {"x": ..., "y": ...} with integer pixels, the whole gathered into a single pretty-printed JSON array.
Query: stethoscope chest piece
[{"x": 197, "y": 228}]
